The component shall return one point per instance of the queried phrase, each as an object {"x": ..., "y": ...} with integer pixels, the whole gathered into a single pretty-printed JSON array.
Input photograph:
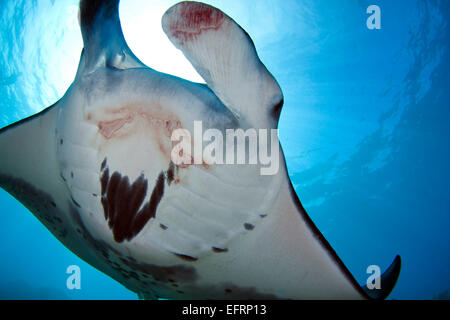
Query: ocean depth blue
[{"x": 365, "y": 128}]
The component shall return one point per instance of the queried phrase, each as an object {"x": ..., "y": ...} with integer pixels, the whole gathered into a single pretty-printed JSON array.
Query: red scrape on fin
[{"x": 192, "y": 18}]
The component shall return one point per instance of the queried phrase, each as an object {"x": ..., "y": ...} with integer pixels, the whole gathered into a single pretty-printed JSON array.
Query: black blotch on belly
[
  {"x": 103, "y": 166},
  {"x": 162, "y": 226},
  {"x": 128, "y": 267},
  {"x": 121, "y": 202},
  {"x": 75, "y": 203},
  {"x": 149, "y": 210},
  {"x": 171, "y": 173},
  {"x": 249, "y": 226},
  {"x": 243, "y": 293},
  {"x": 185, "y": 257}
]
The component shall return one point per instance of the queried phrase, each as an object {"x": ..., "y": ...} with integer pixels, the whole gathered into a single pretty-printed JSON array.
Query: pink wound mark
[
  {"x": 107, "y": 129},
  {"x": 192, "y": 19}
]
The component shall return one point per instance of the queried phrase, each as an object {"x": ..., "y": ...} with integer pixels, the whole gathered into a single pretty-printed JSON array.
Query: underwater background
[{"x": 365, "y": 127}]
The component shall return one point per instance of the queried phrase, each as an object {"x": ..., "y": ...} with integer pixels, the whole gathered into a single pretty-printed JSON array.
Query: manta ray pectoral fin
[
  {"x": 225, "y": 56},
  {"x": 104, "y": 43},
  {"x": 313, "y": 269},
  {"x": 387, "y": 281},
  {"x": 30, "y": 172},
  {"x": 28, "y": 149},
  {"x": 28, "y": 159}
]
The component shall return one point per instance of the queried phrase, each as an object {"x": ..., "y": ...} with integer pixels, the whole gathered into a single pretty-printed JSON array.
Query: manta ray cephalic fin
[
  {"x": 225, "y": 56},
  {"x": 104, "y": 42}
]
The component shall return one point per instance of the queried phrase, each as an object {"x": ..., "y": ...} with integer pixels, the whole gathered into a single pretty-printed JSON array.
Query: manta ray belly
[
  {"x": 115, "y": 160},
  {"x": 130, "y": 140}
]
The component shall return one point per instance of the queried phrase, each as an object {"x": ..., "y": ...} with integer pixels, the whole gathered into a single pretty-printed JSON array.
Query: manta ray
[{"x": 96, "y": 169}]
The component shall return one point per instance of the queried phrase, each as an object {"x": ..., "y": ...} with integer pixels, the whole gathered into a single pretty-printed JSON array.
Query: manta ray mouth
[{"x": 123, "y": 203}]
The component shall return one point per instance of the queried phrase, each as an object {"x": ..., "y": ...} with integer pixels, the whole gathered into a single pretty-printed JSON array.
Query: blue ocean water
[{"x": 365, "y": 127}]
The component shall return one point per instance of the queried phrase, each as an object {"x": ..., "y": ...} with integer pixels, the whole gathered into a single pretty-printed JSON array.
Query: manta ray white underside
[{"x": 95, "y": 168}]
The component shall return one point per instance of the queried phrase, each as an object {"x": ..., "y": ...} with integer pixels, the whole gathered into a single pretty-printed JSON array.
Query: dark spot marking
[
  {"x": 134, "y": 275},
  {"x": 170, "y": 173},
  {"x": 219, "y": 250},
  {"x": 125, "y": 261},
  {"x": 121, "y": 202},
  {"x": 61, "y": 142},
  {"x": 247, "y": 293},
  {"x": 249, "y": 226},
  {"x": 53, "y": 204},
  {"x": 149, "y": 210},
  {"x": 263, "y": 215},
  {"x": 171, "y": 280},
  {"x": 164, "y": 227},
  {"x": 104, "y": 181},
  {"x": 179, "y": 273},
  {"x": 180, "y": 292},
  {"x": 63, "y": 233},
  {"x": 75, "y": 203},
  {"x": 185, "y": 257},
  {"x": 71, "y": 174},
  {"x": 103, "y": 165},
  {"x": 176, "y": 273}
]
